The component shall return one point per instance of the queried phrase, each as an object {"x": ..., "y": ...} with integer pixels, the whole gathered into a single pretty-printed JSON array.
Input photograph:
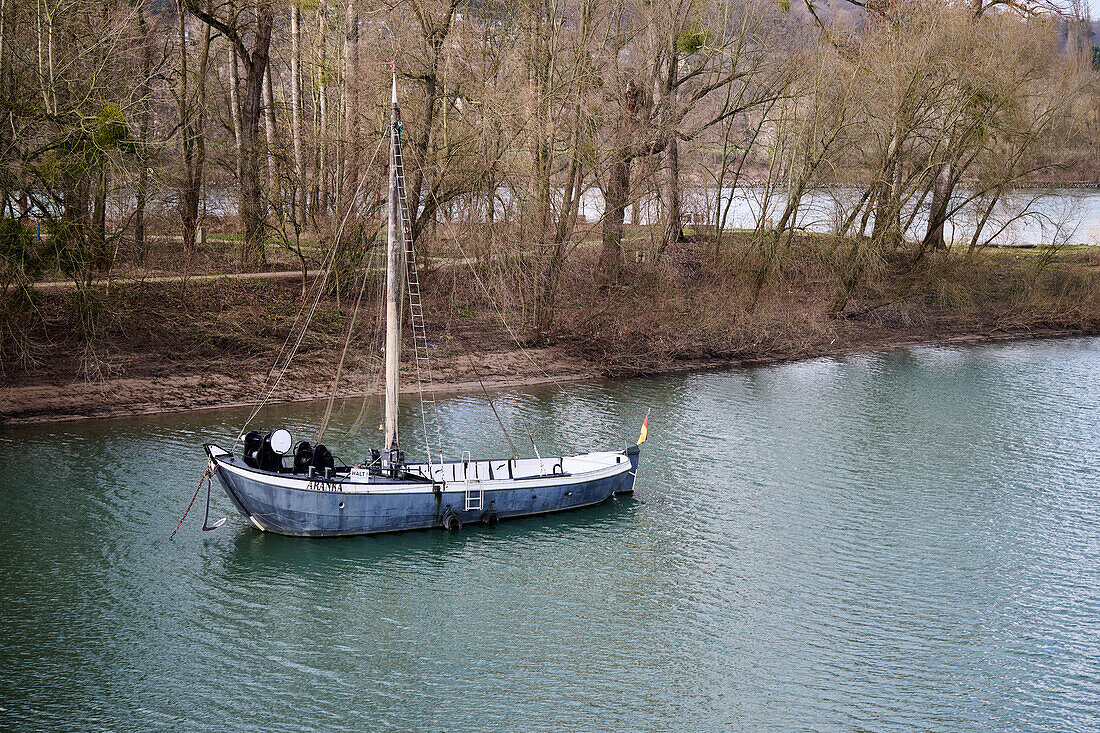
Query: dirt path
[
  {"x": 208, "y": 277},
  {"x": 280, "y": 275}
]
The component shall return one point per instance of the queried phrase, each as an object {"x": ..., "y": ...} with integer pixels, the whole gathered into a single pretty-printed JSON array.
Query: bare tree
[
  {"x": 253, "y": 23},
  {"x": 666, "y": 100},
  {"x": 299, "y": 180},
  {"x": 190, "y": 93}
]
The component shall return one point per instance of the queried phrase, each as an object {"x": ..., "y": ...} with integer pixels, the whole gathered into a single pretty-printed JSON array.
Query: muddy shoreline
[{"x": 133, "y": 396}]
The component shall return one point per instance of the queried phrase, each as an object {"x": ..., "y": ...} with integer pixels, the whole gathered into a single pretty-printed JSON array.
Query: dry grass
[{"x": 690, "y": 310}]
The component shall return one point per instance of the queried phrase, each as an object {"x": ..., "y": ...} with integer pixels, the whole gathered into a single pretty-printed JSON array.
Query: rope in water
[{"x": 206, "y": 475}]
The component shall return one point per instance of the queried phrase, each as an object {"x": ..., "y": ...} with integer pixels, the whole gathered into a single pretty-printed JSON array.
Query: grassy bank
[
  {"x": 140, "y": 348},
  {"x": 696, "y": 310}
]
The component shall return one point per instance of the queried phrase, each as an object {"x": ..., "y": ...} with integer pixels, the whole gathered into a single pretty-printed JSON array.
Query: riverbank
[
  {"x": 46, "y": 402},
  {"x": 165, "y": 347}
]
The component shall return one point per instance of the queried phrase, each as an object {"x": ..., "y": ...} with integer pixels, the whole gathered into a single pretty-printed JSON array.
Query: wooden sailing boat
[{"x": 304, "y": 493}]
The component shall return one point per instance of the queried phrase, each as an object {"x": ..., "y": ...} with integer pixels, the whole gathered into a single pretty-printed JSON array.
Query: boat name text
[{"x": 322, "y": 485}]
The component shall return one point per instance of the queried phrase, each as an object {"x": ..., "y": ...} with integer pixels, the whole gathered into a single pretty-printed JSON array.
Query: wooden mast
[{"x": 394, "y": 266}]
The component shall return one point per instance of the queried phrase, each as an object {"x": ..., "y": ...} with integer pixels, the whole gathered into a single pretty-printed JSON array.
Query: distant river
[
  {"x": 1023, "y": 217},
  {"x": 908, "y": 541}
]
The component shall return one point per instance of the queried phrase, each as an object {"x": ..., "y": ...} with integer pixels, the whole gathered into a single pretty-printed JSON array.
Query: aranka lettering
[{"x": 316, "y": 485}]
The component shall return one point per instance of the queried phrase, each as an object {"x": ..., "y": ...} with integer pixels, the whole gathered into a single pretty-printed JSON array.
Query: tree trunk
[
  {"x": 422, "y": 212},
  {"x": 321, "y": 192},
  {"x": 251, "y": 251},
  {"x": 298, "y": 205},
  {"x": 937, "y": 214},
  {"x": 349, "y": 108},
  {"x": 887, "y": 213},
  {"x": 3, "y": 49},
  {"x": 673, "y": 229},
  {"x": 252, "y": 202},
  {"x": 142, "y": 193},
  {"x": 616, "y": 195},
  {"x": 187, "y": 198},
  {"x": 192, "y": 141},
  {"x": 235, "y": 109},
  {"x": 982, "y": 221},
  {"x": 75, "y": 226},
  {"x": 567, "y": 221},
  {"x": 141, "y": 196},
  {"x": 274, "y": 185},
  {"x": 537, "y": 79},
  {"x": 887, "y": 227},
  {"x": 617, "y": 191},
  {"x": 101, "y": 257}
]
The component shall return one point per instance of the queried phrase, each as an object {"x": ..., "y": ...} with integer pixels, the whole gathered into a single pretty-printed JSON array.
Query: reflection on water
[{"x": 878, "y": 542}]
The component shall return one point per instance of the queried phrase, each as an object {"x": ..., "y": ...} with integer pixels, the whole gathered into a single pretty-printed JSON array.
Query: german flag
[{"x": 645, "y": 428}]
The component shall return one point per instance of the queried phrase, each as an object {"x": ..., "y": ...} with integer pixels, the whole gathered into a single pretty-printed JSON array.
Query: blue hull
[{"x": 292, "y": 505}]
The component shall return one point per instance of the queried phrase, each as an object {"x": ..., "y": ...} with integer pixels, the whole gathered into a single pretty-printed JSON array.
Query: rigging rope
[
  {"x": 511, "y": 332},
  {"x": 515, "y": 453},
  {"x": 320, "y": 287},
  {"x": 469, "y": 261},
  {"x": 347, "y": 343},
  {"x": 375, "y": 363}
]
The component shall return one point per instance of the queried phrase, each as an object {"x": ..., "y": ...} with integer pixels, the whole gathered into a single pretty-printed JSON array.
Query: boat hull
[{"x": 295, "y": 505}]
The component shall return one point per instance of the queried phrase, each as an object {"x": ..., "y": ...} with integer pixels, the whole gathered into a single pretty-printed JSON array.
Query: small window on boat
[{"x": 341, "y": 505}]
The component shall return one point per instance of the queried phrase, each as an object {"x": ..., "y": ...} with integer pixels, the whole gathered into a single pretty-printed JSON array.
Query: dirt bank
[
  {"x": 239, "y": 384},
  {"x": 217, "y": 387}
]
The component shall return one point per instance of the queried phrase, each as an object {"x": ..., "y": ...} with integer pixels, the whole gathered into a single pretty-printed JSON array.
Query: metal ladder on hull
[
  {"x": 475, "y": 495},
  {"x": 416, "y": 312}
]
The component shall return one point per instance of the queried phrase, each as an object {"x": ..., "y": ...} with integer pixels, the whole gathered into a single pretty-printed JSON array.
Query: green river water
[{"x": 903, "y": 541}]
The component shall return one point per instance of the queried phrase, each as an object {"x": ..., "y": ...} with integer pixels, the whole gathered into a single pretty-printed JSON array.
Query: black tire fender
[
  {"x": 450, "y": 521},
  {"x": 491, "y": 518}
]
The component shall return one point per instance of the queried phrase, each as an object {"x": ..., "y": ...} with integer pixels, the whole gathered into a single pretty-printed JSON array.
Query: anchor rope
[{"x": 206, "y": 476}]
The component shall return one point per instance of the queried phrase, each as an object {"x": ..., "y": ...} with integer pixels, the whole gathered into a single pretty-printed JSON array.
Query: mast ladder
[{"x": 416, "y": 314}]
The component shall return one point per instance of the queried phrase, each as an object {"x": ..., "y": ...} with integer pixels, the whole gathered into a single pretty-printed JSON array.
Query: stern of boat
[{"x": 633, "y": 454}]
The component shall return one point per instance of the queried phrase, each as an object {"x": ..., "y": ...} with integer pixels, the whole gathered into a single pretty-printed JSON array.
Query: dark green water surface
[{"x": 908, "y": 541}]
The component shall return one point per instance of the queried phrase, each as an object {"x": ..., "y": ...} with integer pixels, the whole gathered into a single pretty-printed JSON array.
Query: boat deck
[{"x": 458, "y": 471}]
